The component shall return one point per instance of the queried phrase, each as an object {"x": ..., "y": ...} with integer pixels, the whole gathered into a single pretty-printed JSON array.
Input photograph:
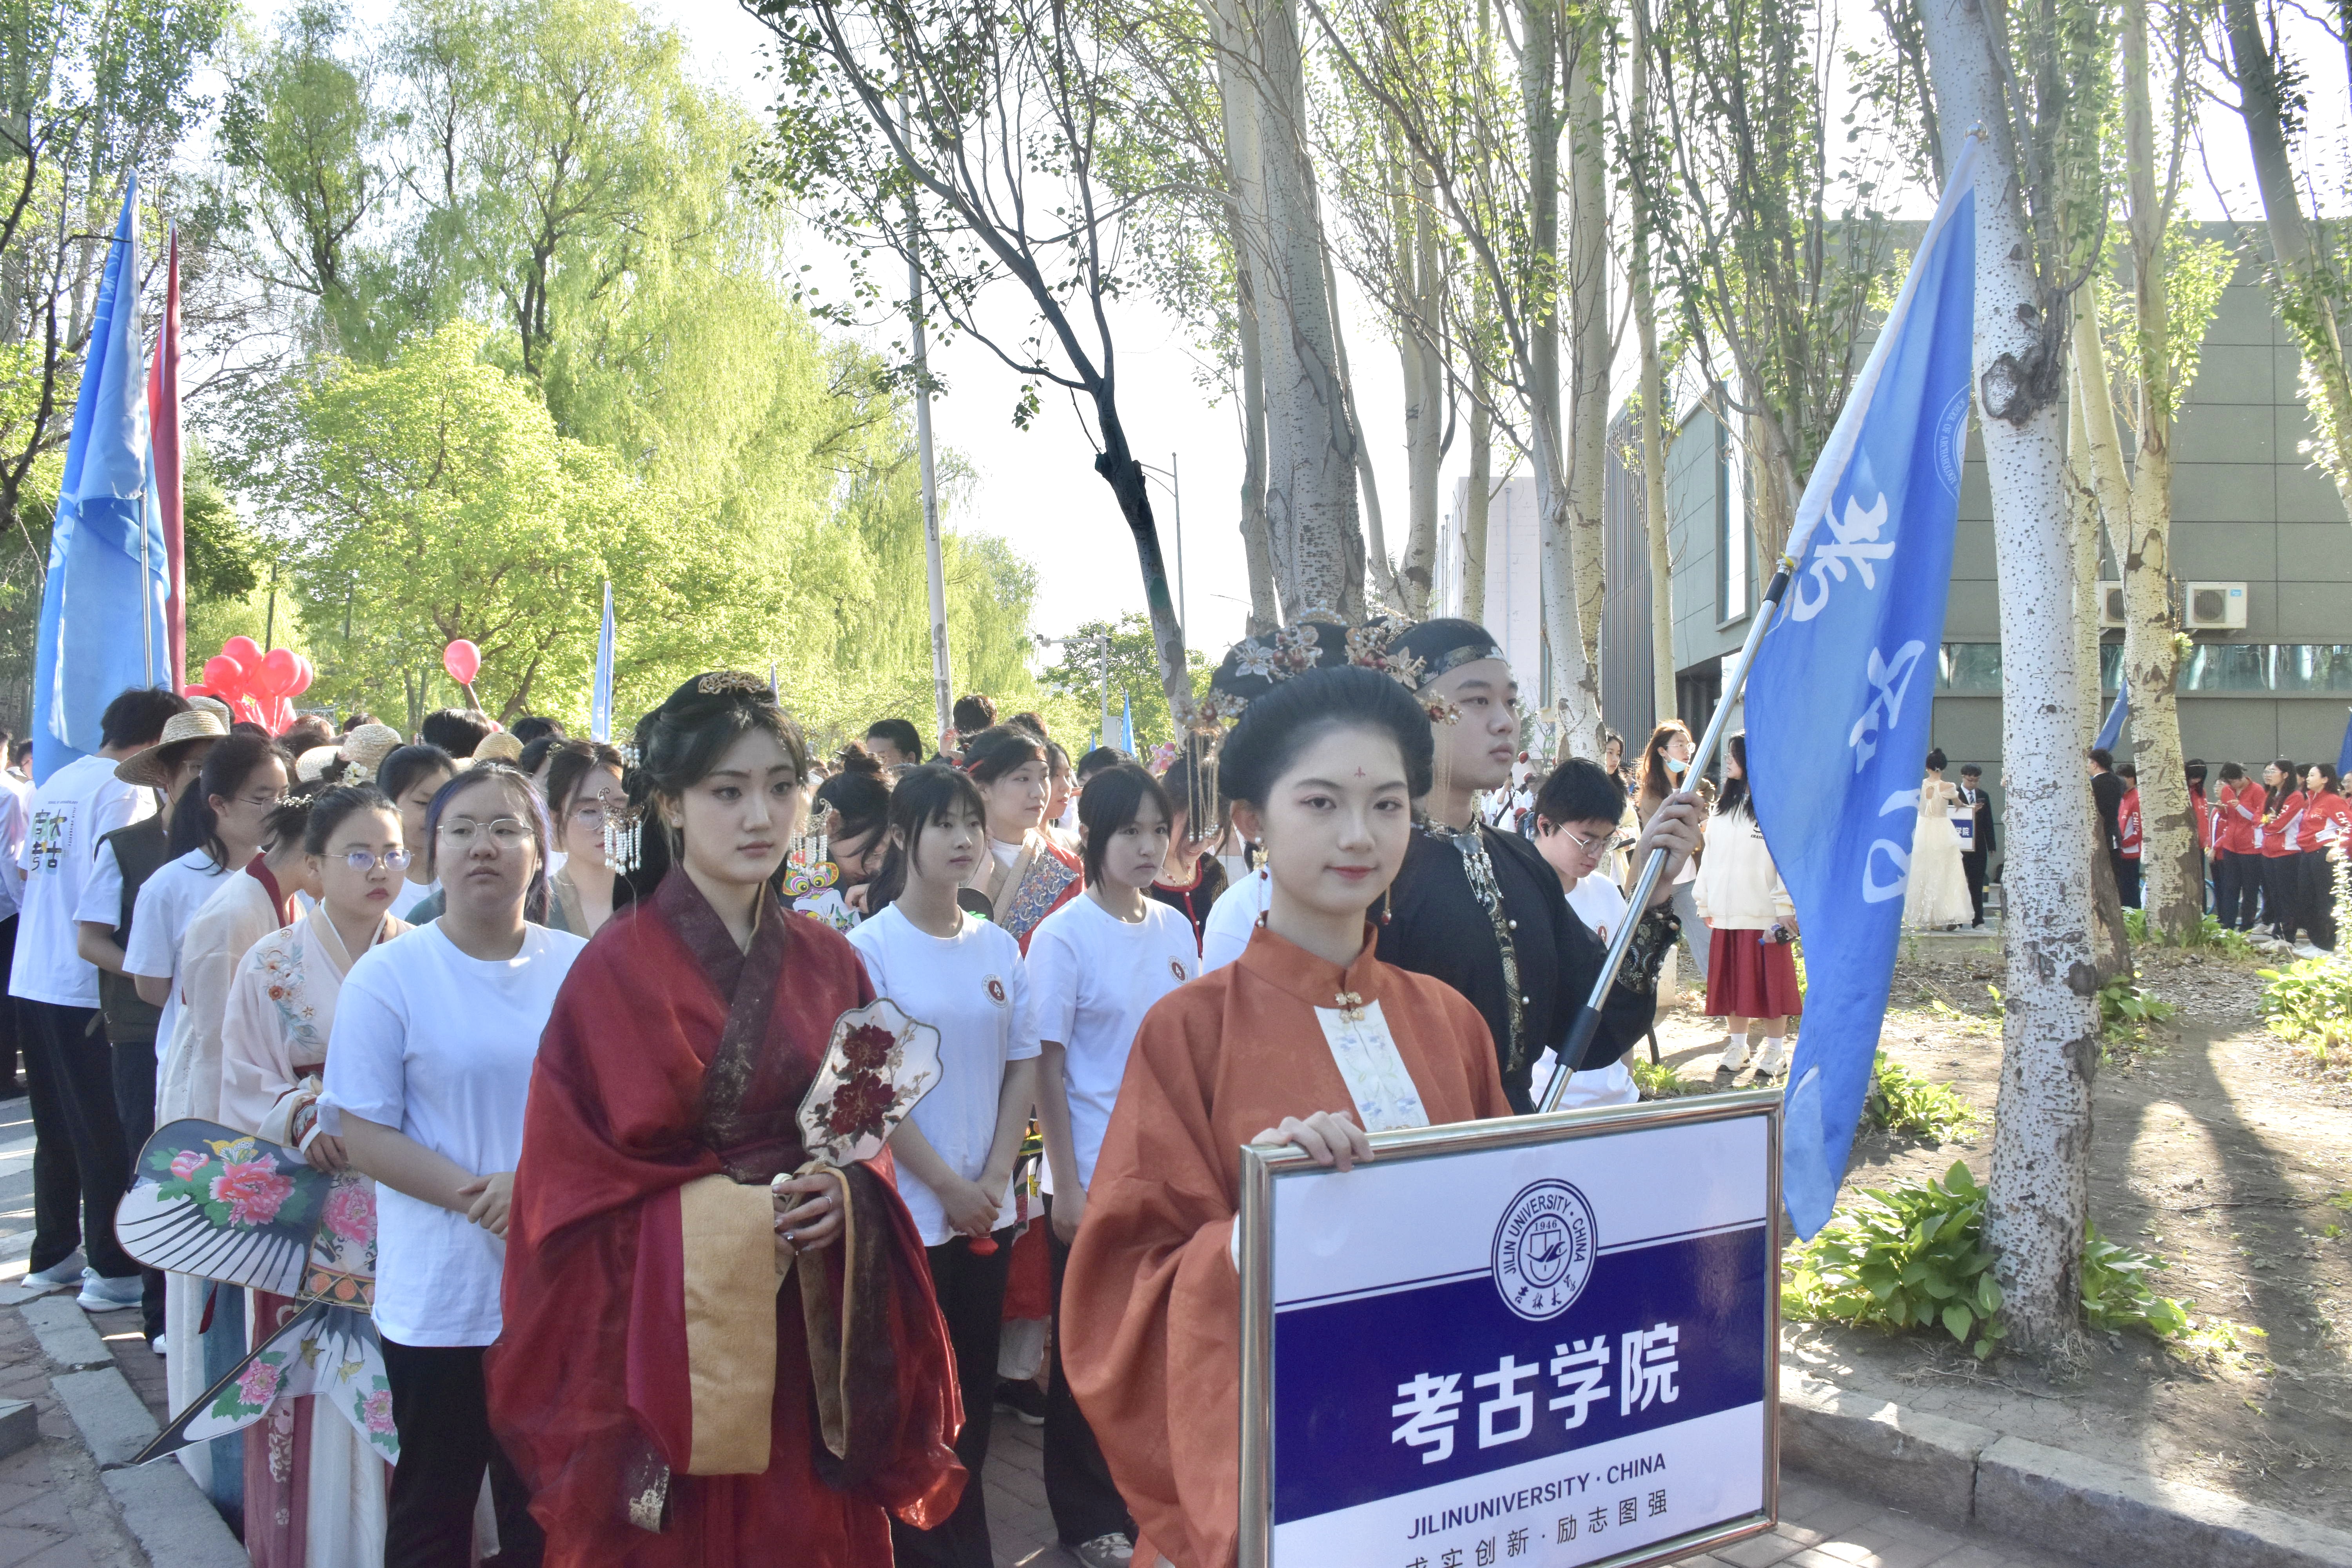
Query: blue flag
[
  {"x": 103, "y": 625},
  {"x": 600, "y": 699},
  {"x": 1126, "y": 722},
  {"x": 2113, "y": 730},
  {"x": 2344, "y": 756},
  {"x": 1841, "y": 693}
]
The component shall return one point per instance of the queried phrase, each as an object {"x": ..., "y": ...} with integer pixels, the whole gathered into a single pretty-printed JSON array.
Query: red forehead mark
[{"x": 1359, "y": 772}]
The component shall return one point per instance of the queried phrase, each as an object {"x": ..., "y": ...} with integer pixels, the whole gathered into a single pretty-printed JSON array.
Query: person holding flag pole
[{"x": 1838, "y": 701}]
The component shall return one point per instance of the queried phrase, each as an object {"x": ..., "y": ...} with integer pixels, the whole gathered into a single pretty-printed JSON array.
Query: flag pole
[
  {"x": 942, "y": 677},
  {"x": 1588, "y": 1017}
]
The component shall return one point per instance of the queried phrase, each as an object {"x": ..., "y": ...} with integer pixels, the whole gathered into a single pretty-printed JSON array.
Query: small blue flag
[
  {"x": 600, "y": 699},
  {"x": 1126, "y": 722},
  {"x": 2113, "y": 730},
  {"x": 1841, "y": 693},
  {"x": 104, "y": 626},
  {"x": 2344, "y": 755}
]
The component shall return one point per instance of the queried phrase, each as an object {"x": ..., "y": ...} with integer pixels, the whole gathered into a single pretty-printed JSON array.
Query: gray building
[{"x": 2262, "y": 555}]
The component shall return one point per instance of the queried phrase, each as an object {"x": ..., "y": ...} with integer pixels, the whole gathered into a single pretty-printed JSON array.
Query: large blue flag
[
  {"x": 1841, "y": 693},
  {"x": 600, "y": 700},
  {"x": 103, "y": 624},
  {"x": 2113, "y": 730}
]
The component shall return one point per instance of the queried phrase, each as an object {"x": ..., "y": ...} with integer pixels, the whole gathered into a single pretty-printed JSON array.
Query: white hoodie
[{"x": 1739, "y": 888}]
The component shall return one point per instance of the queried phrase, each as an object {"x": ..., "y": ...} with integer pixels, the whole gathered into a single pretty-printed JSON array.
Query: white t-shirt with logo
[
  {"x": 440, "y": 1046},
  {"x": 80, "y": 804},
  {"x": 1092, "y": 977},
  {"x": 1600, "y": 903},
  {"x": 971, "y": 988},
  {"x": 167, "y": 906},
  {"x": 16, "y": 814}
]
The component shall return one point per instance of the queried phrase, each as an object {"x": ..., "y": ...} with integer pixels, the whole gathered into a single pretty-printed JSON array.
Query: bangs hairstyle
[
  {"x": 403, "y": 767},
  {"x": 572, "y": 762},
  {"x": 526, "y": 806},
  {"x": 922, "y": 796},
  {"x": 992, "y": 754},
  {"x": 331, "y": 809},
  {"x": 1112, "y": 799},
  {"x": 227, "y": 766},
  {"x": 1580, "y": 791},
  {"x": 1655, "y": 780},
  {"x": 1275, "y": 728}
]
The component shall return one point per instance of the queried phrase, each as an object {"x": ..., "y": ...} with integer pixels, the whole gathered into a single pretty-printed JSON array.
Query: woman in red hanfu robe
[{"x": 669, "y": 1391}]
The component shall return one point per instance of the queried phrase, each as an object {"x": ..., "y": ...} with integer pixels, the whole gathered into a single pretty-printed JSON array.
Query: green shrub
[
  {"x": 1659, "y": 1080},
  {"x": 2125, "y": 1008},
  {"x": 2310, "y": 1003},
  {"x": 1914, "y": 1257},
  {"x": 2209, "y": 933},
  {"x": 1902, "y": 1101}
]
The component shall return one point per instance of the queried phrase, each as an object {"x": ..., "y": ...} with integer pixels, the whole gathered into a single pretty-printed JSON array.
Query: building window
[
  {"x": 1973, "y": 668},
  {"x": 1735, "y": 572}
]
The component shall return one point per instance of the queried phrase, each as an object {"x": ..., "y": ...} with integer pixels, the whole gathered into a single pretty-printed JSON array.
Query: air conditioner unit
[
  {"x": 2214, "y": 606},
  {"x": 2111, "y": 606}
]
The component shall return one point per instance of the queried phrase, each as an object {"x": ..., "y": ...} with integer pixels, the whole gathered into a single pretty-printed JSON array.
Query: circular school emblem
[
  {"x": 1176, "y": 968},
  {"x": 997, "y": 990},
  {"x": 1544, "y": 1249}
]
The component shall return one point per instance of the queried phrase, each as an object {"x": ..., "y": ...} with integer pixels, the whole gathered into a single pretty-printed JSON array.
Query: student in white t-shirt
[
  {"x": 1096, "y": 966},
  {"x": 963, "y": 976},
  {"x": 427, "y": 1070},
  {"x": 1232, "y": 918},
  {"x": 410, "y": 776},
  {"x": 80, "y": 1164},
  {"x": 1577, "y": 817}
]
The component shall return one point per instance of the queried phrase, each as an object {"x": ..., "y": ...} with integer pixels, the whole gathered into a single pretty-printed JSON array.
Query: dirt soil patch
[{"x": 2215, "y": 1145}]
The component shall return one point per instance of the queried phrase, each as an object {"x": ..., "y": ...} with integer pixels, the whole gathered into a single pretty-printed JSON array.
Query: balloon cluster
[{"x": 259, "y": 687}]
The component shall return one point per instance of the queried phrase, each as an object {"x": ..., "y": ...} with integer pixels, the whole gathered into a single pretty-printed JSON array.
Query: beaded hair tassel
[{"x": 625, "y": 837}]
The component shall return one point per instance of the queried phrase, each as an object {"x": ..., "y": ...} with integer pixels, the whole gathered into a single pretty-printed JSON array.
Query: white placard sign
[{"x": 1541, "y": 1342}]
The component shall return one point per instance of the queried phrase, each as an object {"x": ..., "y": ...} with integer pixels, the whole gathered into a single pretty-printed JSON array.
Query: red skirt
[{"x": 1749, "y": 978}]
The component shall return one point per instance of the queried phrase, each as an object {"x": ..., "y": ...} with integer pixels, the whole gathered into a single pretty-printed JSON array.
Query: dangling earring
[
  {"x": 623, "y": 839},
  {"x": 1384, "y": 902}
]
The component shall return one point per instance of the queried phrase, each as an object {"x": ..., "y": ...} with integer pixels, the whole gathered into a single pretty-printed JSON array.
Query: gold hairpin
[{"x": 719, "y": 680}]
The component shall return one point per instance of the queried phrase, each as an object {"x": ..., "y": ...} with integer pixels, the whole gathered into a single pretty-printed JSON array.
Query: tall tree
[{"x": 2029, "y": 248}]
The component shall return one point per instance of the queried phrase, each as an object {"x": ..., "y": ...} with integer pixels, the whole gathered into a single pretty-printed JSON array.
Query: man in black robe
[{"x": 1480, "y": 909}]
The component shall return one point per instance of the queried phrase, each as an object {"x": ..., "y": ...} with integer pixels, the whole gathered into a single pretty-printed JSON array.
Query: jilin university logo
[{"x": 1544, "y": 1249}]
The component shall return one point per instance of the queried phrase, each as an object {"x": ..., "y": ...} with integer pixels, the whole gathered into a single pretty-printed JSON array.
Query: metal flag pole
[{"x": 1588, "y": 1017}]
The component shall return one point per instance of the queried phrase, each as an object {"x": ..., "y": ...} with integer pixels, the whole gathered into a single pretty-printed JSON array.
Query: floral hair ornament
[
  {"x": 725, "y": 680},
  {"x": 879, "y": 1063}
]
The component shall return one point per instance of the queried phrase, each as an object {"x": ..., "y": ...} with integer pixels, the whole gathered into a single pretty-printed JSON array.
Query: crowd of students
[{"x": 558, "y": 1003}]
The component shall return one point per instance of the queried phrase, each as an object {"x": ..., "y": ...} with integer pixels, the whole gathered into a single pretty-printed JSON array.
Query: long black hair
[
  {"x": 679, "y": 743},
  {"x": 1275, "y": 727},
  {"x": 1734, "y": 795},
  {"x": 332, "y": 807},
  {"x": 227, "y": 766},
  {"x": 923, "y": 796},
  {"x": 858, "y": 794},
  {"x": 991, "y": 754},
  {"x": 403, "y": 765}
]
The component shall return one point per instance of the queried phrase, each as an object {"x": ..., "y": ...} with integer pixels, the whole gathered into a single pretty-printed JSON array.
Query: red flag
[{"x": 163, "y": 438}]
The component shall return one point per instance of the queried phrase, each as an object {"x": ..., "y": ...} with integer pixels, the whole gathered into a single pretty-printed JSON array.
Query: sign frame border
[{"x": 1262, "y": 1166}]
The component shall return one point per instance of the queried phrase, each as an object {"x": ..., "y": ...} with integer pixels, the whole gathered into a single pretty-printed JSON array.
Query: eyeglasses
[
  {"x": 1599, "y": 844},
  {"x": 588, "y": 813},
  {"x": 391, "y": 860},
  {"x": 504, "y": 831}
]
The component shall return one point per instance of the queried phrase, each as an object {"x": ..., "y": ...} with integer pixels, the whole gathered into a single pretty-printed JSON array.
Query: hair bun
[{"x": 856, "y": 759}]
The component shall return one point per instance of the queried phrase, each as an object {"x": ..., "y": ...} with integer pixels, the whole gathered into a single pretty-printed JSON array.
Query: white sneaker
[
  {"x": 100, "y": 1294},
  {"x": 1110, "y": 1550},
  {"x": 67, "y": 1271},
  {"x": 1735, "y": 1056},
  {"x": 2305, "y": 950},
  {"x": 159, "y": 1345},
  {"x": 1773, "y": 1062}
]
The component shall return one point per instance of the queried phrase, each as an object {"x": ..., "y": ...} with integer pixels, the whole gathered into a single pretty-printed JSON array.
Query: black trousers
[
  {"x": 134, "y": 1104},
  {"x": 2236, "y": 882},
  {"x": 1972, "y": 864},
  {"x": 79, "y": 1163},
  {"x": 2281, "y": 894},
  {"x": 1078, "y": 1487},
  {"x": 2318, "y": 876},
  {"x": 441, "y": 1408},
  {"x": 970, "y": 1291},
  {"x": 2128, "y": 880}
]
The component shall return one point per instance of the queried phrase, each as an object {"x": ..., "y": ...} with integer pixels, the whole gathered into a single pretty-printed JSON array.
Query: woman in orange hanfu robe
[
  {"x": 669, "y": 1391},
  {"x": 1308, "y": 1039}
]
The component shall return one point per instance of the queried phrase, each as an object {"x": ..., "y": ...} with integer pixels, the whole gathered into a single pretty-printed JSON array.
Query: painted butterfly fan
[{"x": 223, "y": 1204}]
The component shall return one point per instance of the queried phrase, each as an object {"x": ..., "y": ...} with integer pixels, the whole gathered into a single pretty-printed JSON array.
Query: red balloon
[
  {"x": 225, "y": 675},
  {"x": 463, "y": 660},
  {"x": 303, "y": 676},
  {"x": 279, "y": 669},
  {"x": 245, "y": 650}
]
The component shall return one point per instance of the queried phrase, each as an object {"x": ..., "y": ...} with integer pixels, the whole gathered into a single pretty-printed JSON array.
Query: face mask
[{"x": 1675, "y": 766}]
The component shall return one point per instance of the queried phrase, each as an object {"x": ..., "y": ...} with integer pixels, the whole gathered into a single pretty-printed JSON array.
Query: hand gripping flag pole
[
  {"x": 1875, "y": 572},
  {"x": 1588, "y": 1017}
]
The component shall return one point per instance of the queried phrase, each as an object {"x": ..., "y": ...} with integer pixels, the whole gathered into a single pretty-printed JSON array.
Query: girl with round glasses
[
  {"x": 280, "y": 1013},
  {"x": 584, "y": 787}
]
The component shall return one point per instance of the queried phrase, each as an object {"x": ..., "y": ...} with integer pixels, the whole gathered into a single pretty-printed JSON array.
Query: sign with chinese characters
[{"x": 1544, "y": 1341}]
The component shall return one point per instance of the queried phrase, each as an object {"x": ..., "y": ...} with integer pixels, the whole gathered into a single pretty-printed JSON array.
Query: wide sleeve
[{"x": 1151, "y": 1304}]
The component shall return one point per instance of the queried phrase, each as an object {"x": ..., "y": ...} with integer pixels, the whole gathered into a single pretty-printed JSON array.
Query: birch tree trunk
[
  {"x": 1246, "y": 220},
  {"x": 1313, "y": 527},
  {"x": 1426, "y": 408},
  {"x": 1654, "y": 390},
  {"x": 2039, "y": 1193},
  {"x": 1588, "y": 154},
  {"x": 1478, "y": 495},
  {"x": 2300, "y": 287}
]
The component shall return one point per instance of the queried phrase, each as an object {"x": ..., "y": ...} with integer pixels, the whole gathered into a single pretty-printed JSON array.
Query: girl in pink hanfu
[{"x": 314, "y": 1485}]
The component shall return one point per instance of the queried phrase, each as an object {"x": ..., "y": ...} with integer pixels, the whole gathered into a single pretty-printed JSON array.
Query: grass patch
[
  {"x": 2211, "y": 935},
  {"x": 2310, "y": 1004},
  {"x": 1659, "y": 1080}
]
